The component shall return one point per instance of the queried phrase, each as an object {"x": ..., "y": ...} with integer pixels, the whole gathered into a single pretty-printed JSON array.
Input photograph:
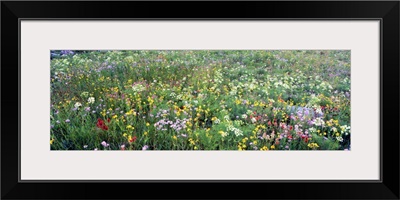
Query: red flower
[
  {"x": 305, "y": 138},
  {"x": 108, "y": 120},
  {"x": 101, "y": 124},
  {"x": 133, "y": 139}
]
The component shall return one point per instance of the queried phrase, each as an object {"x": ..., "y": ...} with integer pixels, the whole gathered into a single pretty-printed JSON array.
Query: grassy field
[{"x": 200, "y": 100}]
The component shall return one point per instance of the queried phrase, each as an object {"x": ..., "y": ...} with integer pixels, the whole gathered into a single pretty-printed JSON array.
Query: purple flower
[
  {"x": 67, "y": 120},
  {"x": 104, "y": 143},
  {"x": 67, "y": 52},
  {"x": 87, "y": 109},
  {"x": 145, "y": 147}
]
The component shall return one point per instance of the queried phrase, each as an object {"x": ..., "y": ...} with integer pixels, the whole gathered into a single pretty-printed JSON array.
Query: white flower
[
  {"x": 91, "y": 100},
  {"x": 253, "y": 120},
  {"x": 340, "y": 139},
  {"x": 226, "y": 117},
  {"x": 77, "y": 105},
  {"x": 217, "y": 121},
  {"x": 238, "y": 132},
  {"x": 319, "y": 122},
  {"x": 244, "y": 116}
]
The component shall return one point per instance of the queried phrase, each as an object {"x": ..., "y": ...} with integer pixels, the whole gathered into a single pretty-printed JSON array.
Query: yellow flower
[
  {"x": 195, "y": 148},
  {"x": 313, "y": 145},
  {"x": 51, "y": 141},
  {"x": 273, "y": 147},
  {"x": 237, "y": 101},
  {"x": 174, "y": 137},
  {"x": 264, "y": 148},
  {"x": 147, "y": 124},
  {"x": 115, "y": 116},
  {"x": 145, "y": 133}
]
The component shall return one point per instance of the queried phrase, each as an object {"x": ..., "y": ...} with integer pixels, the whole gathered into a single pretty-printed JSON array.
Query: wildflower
[
  {"x": 67, "y": 120},
  {"x": 264, "y": 148},
  {"x": 87, "y": 109},
  {"x": 273, "y": 147},
  {"x": 77, "y": 105},
  {"x": 101, "y": 124},
  {"x": 91, "y": 100},
  {"x": 244, "y": 116},
  {"x": 253, "y": 120},
  {"x": 85, "y": 146},
  {"x": 145, "y": 147},
  {"x": 58, "y": 121},
  {"x": 51, "y": 141},
  {"x": 104, "y": 143},
  {"x": 340, "y": 139},
  {"x": 319, "y": 122},
  {"x": 95, "y": 149},
  {"x": 313, "y": 145},
  {"x": 122, "y": 147},
  {"x": 132, "y": 139},
  {"x": 223, "y": 134},
  {"x": 147, "y": 124}
]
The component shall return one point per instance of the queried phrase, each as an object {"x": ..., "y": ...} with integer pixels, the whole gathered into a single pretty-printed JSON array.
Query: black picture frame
[{"x": 385, "y": 11}]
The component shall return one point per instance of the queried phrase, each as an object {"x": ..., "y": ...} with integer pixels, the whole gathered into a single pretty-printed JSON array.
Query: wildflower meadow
[{"x": 200, "y": 100}]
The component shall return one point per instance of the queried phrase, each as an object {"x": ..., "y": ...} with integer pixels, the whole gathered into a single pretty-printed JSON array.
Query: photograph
[{"x": 235, "y": 100}]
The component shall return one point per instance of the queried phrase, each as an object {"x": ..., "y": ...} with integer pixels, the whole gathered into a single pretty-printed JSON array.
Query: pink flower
[{"x": 104, "y": 143}]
